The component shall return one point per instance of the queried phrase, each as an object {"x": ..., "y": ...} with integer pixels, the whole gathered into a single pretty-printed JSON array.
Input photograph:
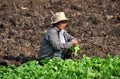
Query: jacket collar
[{"x": 56, "y": 28}]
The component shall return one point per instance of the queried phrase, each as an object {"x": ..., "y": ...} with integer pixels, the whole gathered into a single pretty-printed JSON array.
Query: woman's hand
[{"x": 74, "y": 42}]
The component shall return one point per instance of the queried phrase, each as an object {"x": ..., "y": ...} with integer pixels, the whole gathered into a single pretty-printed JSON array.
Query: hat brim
[{"x": 59, "y": 21}]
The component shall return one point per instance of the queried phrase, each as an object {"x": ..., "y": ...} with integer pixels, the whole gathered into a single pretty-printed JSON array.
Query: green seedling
[{"x": 75, "y": 49}]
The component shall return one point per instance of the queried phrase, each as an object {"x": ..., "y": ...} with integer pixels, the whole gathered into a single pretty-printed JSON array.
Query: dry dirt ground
[{"x": 95, "y": 23}]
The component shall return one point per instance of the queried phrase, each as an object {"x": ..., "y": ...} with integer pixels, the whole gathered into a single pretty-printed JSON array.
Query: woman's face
[{"x": 61, "y": 25}]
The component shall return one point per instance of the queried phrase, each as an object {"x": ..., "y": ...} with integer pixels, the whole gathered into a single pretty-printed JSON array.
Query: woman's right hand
[{"x": 74, "y": 42}]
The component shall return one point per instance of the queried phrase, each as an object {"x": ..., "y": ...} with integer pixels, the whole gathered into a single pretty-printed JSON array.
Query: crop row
[{"x": 56, "y": 68}]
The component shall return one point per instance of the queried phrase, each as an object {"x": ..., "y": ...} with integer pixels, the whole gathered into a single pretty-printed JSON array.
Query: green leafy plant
[
  {"x": 75, "y": 49},
  {"x": 57, "y": 68}
]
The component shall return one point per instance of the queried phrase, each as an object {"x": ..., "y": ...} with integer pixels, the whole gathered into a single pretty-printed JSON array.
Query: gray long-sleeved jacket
[{"x": 51, "y": 43}]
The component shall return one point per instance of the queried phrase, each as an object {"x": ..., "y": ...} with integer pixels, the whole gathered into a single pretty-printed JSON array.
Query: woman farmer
[{"x": 57, "y": 41}]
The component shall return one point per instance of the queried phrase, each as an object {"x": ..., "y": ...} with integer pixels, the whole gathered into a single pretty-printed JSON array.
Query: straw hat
[{"x": 59, "y": 16}]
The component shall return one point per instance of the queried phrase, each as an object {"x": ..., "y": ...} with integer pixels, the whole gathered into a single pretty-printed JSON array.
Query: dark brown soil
[{"x": 95, "y": 23}]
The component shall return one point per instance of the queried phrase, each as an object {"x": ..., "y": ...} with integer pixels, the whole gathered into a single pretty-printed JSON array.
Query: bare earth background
[{"x": 95, "y": 23}]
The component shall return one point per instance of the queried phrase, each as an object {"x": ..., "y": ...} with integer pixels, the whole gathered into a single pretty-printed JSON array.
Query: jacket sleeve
[
  {"x": 55, "y": 42},
  {"x": 68, "y": 36}
]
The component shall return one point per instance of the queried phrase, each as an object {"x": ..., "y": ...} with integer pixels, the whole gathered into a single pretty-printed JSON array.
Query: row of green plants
[{"x": 56, "y": 68}]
